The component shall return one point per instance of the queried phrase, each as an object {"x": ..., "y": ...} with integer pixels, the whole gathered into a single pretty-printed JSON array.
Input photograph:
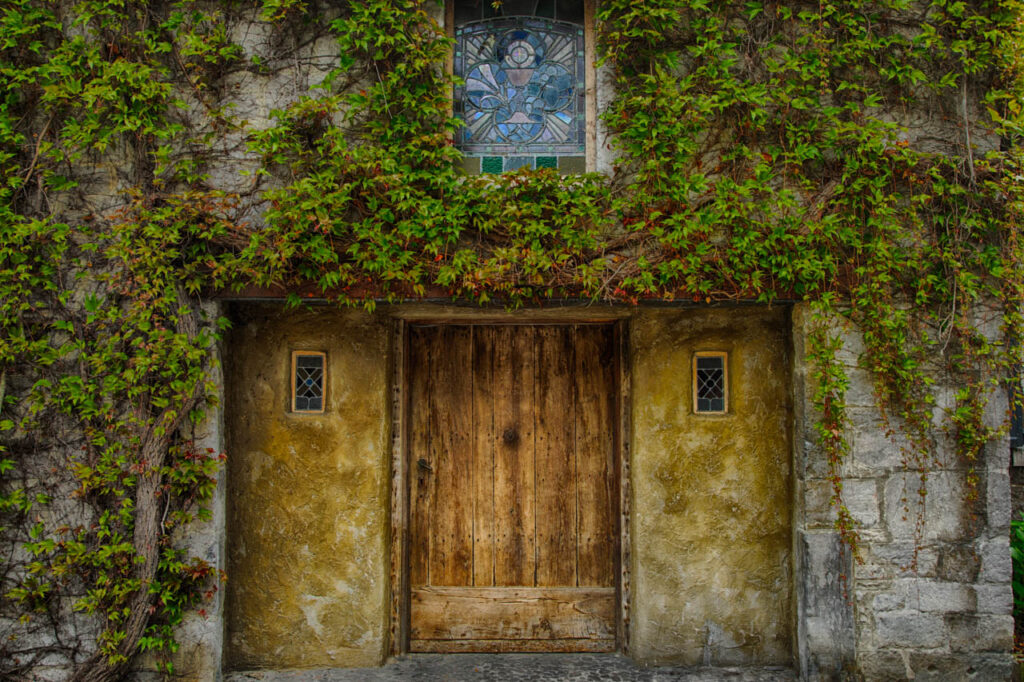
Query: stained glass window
[
  {"x": 308, "y": 381},
  {"x": 710, "y": 388},
  {"x": 522, "y": 94}
]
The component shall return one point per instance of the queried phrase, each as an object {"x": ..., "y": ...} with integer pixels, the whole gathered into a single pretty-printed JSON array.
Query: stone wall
[{"x": 931, "y": 599}]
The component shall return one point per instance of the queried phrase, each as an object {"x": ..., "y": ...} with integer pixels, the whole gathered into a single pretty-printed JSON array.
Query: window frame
[
  {"x": 725, "y": 382},
  {"x": 291, "y": 377}
]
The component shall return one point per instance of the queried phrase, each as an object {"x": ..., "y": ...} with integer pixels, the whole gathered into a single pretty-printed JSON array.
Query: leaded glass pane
[
  {"x": 710, "y": 380},
  {"x": 524, "y": 91},
  {"x": 516, "y": 162},
  {"x": 309, "y": 383},
  {"x": 492, "y": 164}
]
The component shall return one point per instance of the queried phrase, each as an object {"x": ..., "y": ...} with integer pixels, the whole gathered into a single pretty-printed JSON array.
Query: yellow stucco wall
[
  {"x": 308, "y": 494},
  {"x": 711, "y": 519},
  {"x": 308, "y": 500}
]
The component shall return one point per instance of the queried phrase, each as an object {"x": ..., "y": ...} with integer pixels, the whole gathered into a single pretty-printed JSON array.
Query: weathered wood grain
[
  {"x": 509, "y": 613},
  {"x": 514, "y": 506},
  {"x": 451, "y": 525},
  {"x": 483, "y": 457},
  {"x": 422, "y": 355},
  {"x": 511, "y": 646},
  {"x": 514, "y": 501},
  {"x": 555, "y": 457},
  {"x": 595, "y": 454}
]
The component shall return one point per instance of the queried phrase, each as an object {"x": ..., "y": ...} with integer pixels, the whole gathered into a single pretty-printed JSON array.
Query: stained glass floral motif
[{"x": 523, "y": 91}]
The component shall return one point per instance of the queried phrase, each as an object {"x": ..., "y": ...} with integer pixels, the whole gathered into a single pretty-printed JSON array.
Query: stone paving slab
[{"x": 516, "y": 668}]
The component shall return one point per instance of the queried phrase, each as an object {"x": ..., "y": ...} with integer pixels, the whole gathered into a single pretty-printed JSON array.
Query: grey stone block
[
  {"x": 971, "y": 633},
  {"x": 871, "y": 450},
  {"x": 930, "y": 666},
  {"x": 911, "y": 629},
  {"x": 959, "y": 564},
  {"x": 852, "y": 348},
  {"x": 996, "y": 599},
  {"x": 874, "y": 664},
  {"x": 941, "y": 508},
  {"x": 818, "y": 512},
  {"x": 826, "y": 637},
  {"x": 933, "y": 596},
  {"x": 997, "y": 499},
  {"x": 861, "y": 498},
  {"x": 861, "y": 391},
  {"x": 996, "y": 566},
  {"x": 898, "y": 559},
  {"x": 859, "y": 495},
  {"x": 888, "y": 601}
]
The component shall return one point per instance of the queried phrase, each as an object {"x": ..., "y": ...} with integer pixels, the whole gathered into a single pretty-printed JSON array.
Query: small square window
[
  {"x": 309, "y": 379},
  {"x": 710, "y": 383}
]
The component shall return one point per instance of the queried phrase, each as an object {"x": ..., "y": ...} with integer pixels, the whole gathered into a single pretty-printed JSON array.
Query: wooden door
[{"x": 513, "y": 533}]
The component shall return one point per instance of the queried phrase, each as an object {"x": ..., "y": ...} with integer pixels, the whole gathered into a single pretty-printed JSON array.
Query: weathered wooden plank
[
  {"x": 422, "y": 356},
  {"x": 508, "y": 613},
  {"x": 483, "y": 457},
  {"x": 595, "y": 455},
  {"x": 451, "y": 543},
  {"x": 511, "y": 646},
  {"x": 556, "y": 457},
  {"x": 514, "y": 503}
]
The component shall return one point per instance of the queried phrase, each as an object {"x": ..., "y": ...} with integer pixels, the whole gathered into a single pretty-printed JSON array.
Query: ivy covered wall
[{"x": 861, "y": 157}]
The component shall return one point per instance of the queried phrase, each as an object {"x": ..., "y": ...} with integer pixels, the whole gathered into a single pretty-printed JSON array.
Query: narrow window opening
[
  {"x": 710, "y": 383},
  {"x": 309, "y": 377}
]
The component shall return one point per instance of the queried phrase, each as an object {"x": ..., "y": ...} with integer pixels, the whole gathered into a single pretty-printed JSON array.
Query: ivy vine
[{"x": 764, "y": 150}]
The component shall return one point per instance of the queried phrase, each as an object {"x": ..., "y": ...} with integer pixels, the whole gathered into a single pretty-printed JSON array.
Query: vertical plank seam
[
  {"x": 574, "y": 340},
  {"x": 534, "y": 336},
  {"x": 493, "y": 449},
  {"x": 432, "y": 485},
  {"x": 472, "y": 459}
]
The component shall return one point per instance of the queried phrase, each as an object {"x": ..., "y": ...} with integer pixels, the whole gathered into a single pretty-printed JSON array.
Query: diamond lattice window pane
[
  {"x": 710, "y": 390},
  {"x": 308, "y": 393}
]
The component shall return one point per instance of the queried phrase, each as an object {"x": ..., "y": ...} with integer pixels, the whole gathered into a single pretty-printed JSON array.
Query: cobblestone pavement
[{"x": 517, "y": 668}]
